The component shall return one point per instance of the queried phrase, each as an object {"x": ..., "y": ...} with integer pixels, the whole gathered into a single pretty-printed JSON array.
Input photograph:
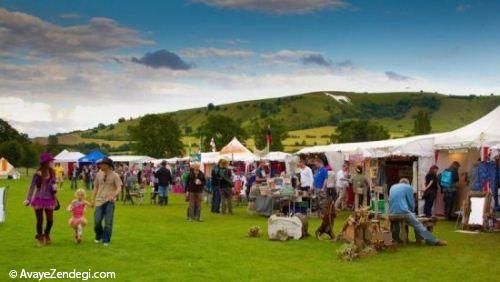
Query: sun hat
[
  {"x": 107, "y": 161},
  {"x": 46, "y": 157}
]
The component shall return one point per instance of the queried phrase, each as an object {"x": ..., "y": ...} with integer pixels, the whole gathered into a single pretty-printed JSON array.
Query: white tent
[
  {"x": 131, "y": 159},
  {"x": 6, "y": 170},
  {"x": 66, "y": 156},
  {"x": 420, "y": 146},
  {"x": 235, "y": 151},
  {"x": 483, "y": 132},
  {"x": 276, "y": 156}
]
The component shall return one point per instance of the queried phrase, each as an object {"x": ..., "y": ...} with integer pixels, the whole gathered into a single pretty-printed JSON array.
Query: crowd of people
[{"x": 109, "y": 183}]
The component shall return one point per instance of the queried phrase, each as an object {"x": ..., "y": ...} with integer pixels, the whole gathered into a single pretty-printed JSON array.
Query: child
[{"x": 77, "y": 208}]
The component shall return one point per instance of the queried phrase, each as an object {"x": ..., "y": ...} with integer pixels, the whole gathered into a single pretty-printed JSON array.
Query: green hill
[{"x": 321, "y": 110}]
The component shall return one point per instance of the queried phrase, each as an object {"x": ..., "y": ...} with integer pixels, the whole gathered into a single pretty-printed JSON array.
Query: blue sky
[{"x": 72, "y": 64}]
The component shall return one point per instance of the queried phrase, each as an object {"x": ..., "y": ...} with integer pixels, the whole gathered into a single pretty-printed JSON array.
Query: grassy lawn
[{"x": 153, "y": 243}]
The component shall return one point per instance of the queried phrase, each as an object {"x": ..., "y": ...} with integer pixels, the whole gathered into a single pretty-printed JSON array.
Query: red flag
[{"x": 268, "y": 135}]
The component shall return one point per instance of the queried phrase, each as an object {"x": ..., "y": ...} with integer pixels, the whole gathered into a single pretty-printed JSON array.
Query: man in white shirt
[
  {"x": 306, "y": 176},
  {"x": 342, "y": 182}
]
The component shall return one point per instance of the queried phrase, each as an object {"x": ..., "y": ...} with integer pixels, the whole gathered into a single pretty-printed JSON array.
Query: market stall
[
  {"x": 91, "y": 158},
  {"x": 385, "y": 161},
  {"x": 277, "y": 162},
  {"x": 466, "y": 145},
  {"x": 68, "y": 160},
  {"x": 131, "y": 159},
  {"x": 239, "y": 156}
]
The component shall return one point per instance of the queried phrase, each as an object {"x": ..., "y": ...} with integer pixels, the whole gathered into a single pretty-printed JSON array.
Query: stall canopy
[
  {"x": 92, "y": 157},
  {"x": 483, "y": 132},
  {"x": 68, "y": 157},
  {"x": 131, "y": 159},
  {"x": 7, "y": 169},
  {"x": 276, "y": 156},
  {"x": 420, "y": 146},
  {"x": 235, "y": 151}
]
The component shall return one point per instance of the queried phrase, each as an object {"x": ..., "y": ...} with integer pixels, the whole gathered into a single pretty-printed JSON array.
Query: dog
[{"x": 327, "y": 222}]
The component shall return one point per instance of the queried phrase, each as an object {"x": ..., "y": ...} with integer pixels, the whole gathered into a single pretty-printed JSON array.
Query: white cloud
[
  {"x": 278, "y": 6},
  {"x": 215, "y": 52},
  {"x": 16, "y": 109}
]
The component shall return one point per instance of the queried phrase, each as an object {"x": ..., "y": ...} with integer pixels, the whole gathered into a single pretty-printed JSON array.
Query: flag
[{"x": 269, "y": 139}]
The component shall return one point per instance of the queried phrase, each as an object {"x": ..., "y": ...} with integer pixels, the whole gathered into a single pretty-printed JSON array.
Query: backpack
[{"x": 446, "y": 179}]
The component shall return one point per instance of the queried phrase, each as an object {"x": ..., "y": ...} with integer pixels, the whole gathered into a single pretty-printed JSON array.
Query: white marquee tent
[
  {"x": 483, "y": 132},
  {"x": 66, "y": 156},
  {"x": 235, "y": 151},
  {"x": 131, "y": 159}
]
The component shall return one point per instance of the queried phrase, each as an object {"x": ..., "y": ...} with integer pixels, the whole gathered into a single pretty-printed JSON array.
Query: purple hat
[{"x": 46, "y": 157}]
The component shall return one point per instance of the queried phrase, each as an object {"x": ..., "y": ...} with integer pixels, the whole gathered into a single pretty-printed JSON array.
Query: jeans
[
  {"x": 429, "y": 202},
  {"x": 163, "y": 191},
  {"x": 449, "y": 202},
  {"x": 216, "y": 200},
  {"x": 106, "y": 212},
  {"x": 420, "y": 230}
]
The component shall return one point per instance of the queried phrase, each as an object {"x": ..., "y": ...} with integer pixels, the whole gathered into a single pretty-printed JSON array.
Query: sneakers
[
  {"x": 105, "y": 244},
  {"x": 97, "y": 241},
  {"x": 199, "y": 219}
]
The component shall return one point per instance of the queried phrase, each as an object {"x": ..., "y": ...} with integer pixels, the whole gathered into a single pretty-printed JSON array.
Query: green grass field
[{"x": 153, "y": 243}]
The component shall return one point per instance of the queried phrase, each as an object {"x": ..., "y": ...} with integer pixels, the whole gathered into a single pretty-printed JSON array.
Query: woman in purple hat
[{"x": 42, "y": 197}]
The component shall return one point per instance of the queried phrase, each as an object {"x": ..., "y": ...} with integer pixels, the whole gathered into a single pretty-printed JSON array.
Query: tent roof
[
  {"x": 276, "y": 156},
  {"x": 66, "y": 156},
  {"x": 5, "y": 166},
  {"x": 235, "y": 151},
  {"x": 482, "y": 132},
  {"x": 131, "y": 158},
  {"x": 92, "y": 157},
  {"x": 421, "y": 145},
  {"x": 234, "y": 147}
]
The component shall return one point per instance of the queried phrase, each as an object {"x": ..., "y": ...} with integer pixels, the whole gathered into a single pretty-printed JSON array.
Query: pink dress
[{"x": 77, "y": 209}]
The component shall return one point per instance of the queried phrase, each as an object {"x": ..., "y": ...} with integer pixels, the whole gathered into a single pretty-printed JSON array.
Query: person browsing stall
[
  {"x": 306, "y": 176},
  {"x": 320, "y": 176}
]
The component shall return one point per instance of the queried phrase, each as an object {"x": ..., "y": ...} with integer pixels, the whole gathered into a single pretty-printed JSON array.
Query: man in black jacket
[{"x": 164, "y": 177}]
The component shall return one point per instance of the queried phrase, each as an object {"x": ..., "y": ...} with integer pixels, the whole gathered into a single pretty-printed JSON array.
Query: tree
[
  {"x": 120, "y": 120},
  {"x": 188, "y": 130},
  {"x": 359, "y": 131},
  {"x": 157, "y": 136},
  {"x": 422, "y": 123},
  {"x": 222, "y": 129},
  {"x": 210, "y": 107},
  {"x": 12, "y": 151},
  {"x": 29, "y": 157},
  {"x": 278, "y": 133}
]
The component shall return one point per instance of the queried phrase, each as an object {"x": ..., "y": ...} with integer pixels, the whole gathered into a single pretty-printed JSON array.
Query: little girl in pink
[{"x": 77, "y": 208}]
